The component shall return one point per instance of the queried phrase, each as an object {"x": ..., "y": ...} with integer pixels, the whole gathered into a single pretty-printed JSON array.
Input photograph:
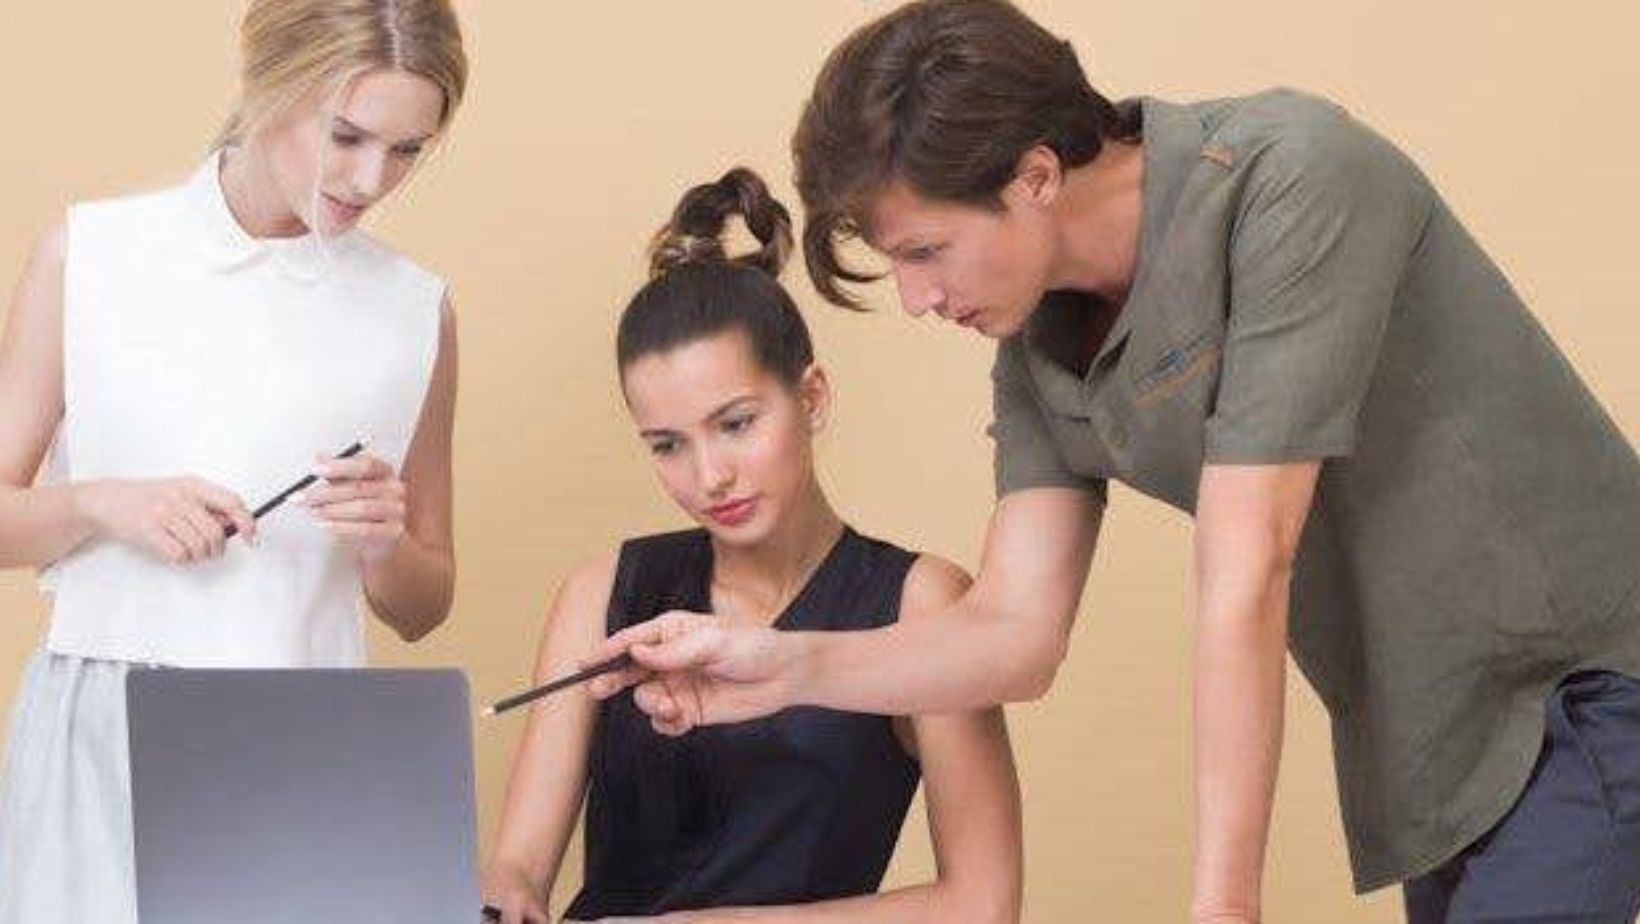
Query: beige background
[{"x": 584, "y": 123}]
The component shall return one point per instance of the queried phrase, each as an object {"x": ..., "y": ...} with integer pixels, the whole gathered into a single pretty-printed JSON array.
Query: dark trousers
[{"x": 1569, "y": 850}]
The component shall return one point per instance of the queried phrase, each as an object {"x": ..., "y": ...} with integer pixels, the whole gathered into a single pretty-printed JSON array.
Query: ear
[
  {"x": 1038, "y": 177},
  {"x": 814, "y": 392}
]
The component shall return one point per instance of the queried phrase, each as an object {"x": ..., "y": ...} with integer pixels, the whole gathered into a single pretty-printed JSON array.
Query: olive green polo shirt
[{"x": 1302, "y": 293}]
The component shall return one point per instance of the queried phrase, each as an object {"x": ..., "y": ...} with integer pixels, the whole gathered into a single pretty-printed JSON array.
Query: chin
[
  {"x": 1002, "y": 328},
  {"x": 331, "y": 227}
]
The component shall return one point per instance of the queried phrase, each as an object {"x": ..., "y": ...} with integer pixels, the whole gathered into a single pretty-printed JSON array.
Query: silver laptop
[{"x": 303, "y": 796}]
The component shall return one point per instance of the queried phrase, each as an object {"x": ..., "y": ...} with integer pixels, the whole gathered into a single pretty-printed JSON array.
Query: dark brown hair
[
  {"x": 696, "y": 290},
  {"x": 945, "y": 95}
]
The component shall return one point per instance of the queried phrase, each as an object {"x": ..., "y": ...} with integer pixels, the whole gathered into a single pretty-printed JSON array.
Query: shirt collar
[
  {"x": 1173, "y": 139},
  {"x": 225, "y": 246},
  {"x": 1172, "y": 136}
]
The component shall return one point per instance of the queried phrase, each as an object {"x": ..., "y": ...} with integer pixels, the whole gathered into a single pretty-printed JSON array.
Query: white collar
[{"x": 226, "y": 246}]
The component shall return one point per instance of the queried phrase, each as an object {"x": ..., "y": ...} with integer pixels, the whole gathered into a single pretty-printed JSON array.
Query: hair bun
[
  {"x": 673, "y": 248},
  {"x": 694, "y": 235}
]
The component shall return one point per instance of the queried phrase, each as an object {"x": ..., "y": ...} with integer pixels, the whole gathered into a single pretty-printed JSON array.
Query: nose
[
  {"x": 919, "y": 294},
  {"x": 369, "y": 176},
  {"x": 716, "y": 475}
]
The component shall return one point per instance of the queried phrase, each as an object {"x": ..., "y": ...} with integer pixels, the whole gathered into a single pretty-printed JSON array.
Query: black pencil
[
  {"x": 284, "y": 495},
  {"x": 529, "y": 696}
]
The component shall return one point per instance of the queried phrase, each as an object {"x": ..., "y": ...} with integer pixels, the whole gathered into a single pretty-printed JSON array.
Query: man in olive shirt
[{"x": 1258, "y": 311}]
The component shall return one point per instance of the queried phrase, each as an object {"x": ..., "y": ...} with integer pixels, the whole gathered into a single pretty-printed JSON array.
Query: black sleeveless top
[{"x": 801, "y": 806}]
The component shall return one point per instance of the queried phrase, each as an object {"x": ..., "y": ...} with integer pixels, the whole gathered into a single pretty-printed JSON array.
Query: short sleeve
[
  {"x": 1329, "y": 218},
  {"x": 1026, "y": 455}
]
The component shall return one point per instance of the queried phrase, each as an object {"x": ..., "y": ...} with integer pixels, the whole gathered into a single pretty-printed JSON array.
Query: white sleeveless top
[{"x": 191, "y": 348}]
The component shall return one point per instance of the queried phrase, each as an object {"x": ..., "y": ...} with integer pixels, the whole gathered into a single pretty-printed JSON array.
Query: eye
[
  {"x": 344, "y": 139},
  {"x": 663, "y": 448},
  {"x": 922, "y": 253},
  {"x": 407, "y": 151},
  {"x": 737, "y": 425}
]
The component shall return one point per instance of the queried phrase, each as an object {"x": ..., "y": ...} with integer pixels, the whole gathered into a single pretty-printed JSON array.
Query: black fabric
[{"x": 802, "y": 806}]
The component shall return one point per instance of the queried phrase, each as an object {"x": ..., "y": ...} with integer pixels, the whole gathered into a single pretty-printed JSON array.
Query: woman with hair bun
[
  {"x": 793, "y": 817},
  {"x": 174, "y": 356}
]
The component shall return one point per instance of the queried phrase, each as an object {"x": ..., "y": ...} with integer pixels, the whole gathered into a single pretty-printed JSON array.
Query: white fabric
[
  {"x": 191, "y": 348},
  {"x": 65, "y": 797}
]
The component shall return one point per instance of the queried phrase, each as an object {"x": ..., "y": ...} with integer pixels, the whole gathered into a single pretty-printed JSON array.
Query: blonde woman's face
[{"x": 332, "y": 163}]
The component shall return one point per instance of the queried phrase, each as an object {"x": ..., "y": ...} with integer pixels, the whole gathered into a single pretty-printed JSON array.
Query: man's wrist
[
  {"x": 1220, "y": 910},
  {"x": 801, "y": 654}
]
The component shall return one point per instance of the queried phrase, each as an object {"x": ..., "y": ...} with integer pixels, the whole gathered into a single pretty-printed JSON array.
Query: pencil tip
[{"x": 489, "y": 710}]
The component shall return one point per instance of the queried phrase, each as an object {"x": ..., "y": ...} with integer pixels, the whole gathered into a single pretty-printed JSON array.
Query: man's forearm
[
  {"x": 1239, "y": 689},
  {"x": 971, "y": 657},
  {"x": 911, "y": 905}
]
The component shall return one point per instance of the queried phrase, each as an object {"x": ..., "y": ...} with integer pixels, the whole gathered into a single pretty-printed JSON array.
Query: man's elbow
[
  {"x": 1005, "y": 904},
  {"x": 999, "y": 902},
  {"x": 1002, "y": 909},
  {"x": 1038, "y": 666}
]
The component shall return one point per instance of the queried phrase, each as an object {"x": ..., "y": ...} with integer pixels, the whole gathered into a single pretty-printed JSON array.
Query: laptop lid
[{"x": 302, "y": 795}]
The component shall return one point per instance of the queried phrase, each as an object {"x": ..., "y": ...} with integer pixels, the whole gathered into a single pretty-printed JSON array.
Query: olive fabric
[{"x": 1303, "y": 294}]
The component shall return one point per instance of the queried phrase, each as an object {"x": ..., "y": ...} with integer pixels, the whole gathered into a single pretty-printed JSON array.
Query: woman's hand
[
  {"x": 508, "y": 889},
  {"x": 361, "y": 501},
  {"x": 181, "y": 520}
]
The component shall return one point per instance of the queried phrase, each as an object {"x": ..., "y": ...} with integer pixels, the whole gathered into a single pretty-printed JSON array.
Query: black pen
[
  {"x": 529, "y": 696},
  {"x": 284, "y": 495}
]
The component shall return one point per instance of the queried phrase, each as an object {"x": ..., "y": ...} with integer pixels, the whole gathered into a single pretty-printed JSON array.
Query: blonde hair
[{"x": 291, "y": 47}]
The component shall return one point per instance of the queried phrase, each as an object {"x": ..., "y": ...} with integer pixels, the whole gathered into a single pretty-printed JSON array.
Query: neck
[
  {"x": 764, "y": 577},
  {"x": 1100, "y": 216},
  {"x": 253, "y": 199}
]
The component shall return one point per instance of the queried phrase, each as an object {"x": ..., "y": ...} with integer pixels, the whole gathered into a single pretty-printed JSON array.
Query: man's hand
[{"x": 697, "y": 669}]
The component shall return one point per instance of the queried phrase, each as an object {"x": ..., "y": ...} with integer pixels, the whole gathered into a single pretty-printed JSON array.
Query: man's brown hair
[{"x": 945, "y": 96}]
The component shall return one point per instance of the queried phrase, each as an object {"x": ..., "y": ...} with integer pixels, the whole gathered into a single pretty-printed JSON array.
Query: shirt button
[{"x": 1111, "y": 430}]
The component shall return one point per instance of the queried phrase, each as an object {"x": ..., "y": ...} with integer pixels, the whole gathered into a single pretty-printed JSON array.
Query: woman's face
[
  {"x": 334, "y": 155},
  {"x": 981, "y": 268},
  {"x": 732, "y": 444}
]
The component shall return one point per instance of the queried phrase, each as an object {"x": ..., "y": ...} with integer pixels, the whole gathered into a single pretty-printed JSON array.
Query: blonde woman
[{"x": 184, "y": 354}]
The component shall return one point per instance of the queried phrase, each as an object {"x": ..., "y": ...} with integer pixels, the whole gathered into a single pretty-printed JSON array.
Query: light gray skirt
[{"x": 65, "y": 796}]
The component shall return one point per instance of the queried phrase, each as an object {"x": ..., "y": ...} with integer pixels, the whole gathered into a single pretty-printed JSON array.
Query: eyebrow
[
  {"x": 901, "y": 248},
  {"x": 911, "y": 241},
  {"x": 367, "y": 133},
  {"x": 722, "y": 411}
]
